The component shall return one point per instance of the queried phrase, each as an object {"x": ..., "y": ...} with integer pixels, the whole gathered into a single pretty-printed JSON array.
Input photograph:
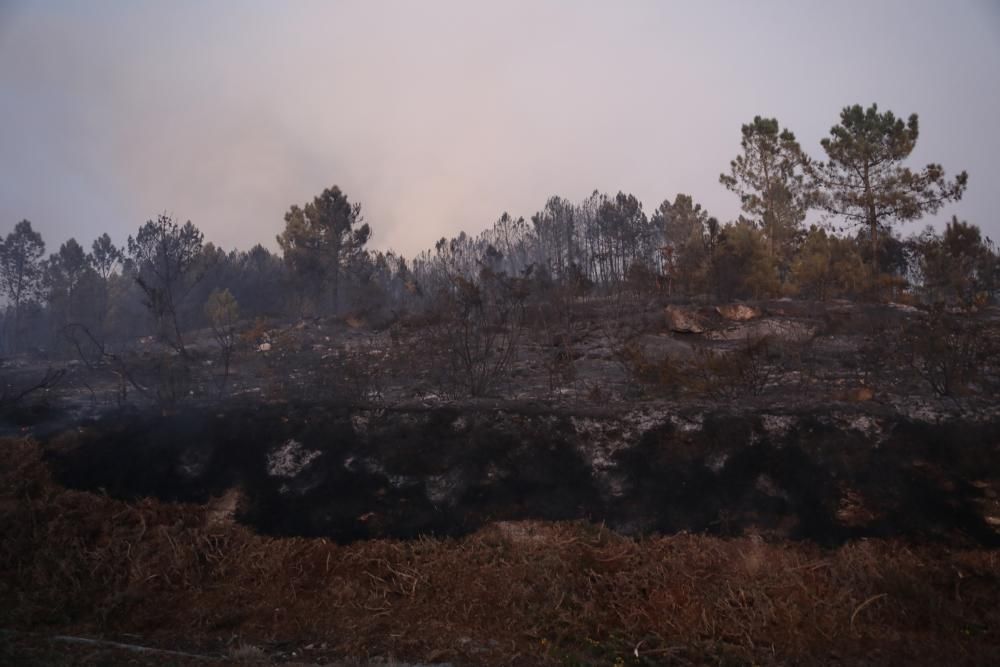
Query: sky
[{"x": 439, "y": 116}]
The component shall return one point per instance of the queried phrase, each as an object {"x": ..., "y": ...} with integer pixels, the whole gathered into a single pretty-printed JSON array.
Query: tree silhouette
[
  {"x": 321, "y": 238},
  {"x": 21, "y": 271},
  {"x": 864, "y": 180}
]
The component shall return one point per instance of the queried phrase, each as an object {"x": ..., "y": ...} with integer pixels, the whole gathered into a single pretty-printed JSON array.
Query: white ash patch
[
  {"x": 642, "y": 421},
  {"x": 688, "y": 424},
  {"x": 598, "y": 441},
  {"x": 918, "y": 410},
  {"x": 290, "y": 459},
  {"x": 400, "y": 481},
  {"x": 777, "y": 425}
]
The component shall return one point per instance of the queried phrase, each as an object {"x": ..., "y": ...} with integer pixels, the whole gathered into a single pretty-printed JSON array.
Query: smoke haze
[{"x": 439, "y": 116}]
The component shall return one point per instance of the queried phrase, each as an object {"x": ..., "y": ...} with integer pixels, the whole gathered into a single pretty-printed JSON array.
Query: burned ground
[
  {"x": 173, "y": 576},
  {"x": 349, "y": 474},
  {"x": 771, "y": 483}
]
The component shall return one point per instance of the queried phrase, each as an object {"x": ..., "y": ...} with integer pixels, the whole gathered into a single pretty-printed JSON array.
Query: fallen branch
[{"x": 49, "y": 380}]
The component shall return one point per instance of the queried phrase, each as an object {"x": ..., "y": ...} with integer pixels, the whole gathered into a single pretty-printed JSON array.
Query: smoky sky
[{"x": 439, "y": 116}]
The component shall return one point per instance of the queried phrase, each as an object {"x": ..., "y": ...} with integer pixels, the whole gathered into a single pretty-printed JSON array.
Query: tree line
[{"x": 167, "y": 280}]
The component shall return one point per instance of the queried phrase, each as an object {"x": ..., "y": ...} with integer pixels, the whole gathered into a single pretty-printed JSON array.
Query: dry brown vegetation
[{"x": 181, "y": 576}]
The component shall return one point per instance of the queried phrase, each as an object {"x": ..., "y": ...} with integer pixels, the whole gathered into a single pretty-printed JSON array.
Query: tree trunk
[
  {"x": 872, "y": 226},
  {"x": 335, "y": 283}
]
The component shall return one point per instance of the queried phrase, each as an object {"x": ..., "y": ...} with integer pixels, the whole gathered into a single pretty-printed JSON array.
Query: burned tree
[
  {"x": 165, "y": 256},
  {"x": 482, "y": 320},
  {"x": 223, "y": 313}
]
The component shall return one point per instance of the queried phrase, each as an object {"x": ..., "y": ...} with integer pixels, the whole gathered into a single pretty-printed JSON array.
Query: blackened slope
[{"x": 363, "y": 474}]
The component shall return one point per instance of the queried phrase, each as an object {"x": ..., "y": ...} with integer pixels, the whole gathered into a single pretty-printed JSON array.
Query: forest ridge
[{"x": 168, "y": 279}]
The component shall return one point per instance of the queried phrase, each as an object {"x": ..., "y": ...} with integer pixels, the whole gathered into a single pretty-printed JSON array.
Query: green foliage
[
  {"x": 685, "y": 251},
  {"x": 223, "y": 313},
  {"x": 828, "y": 266},
  {"x": 865, "y": 182},
  {"x": 321, "y": 238},
  {"x": 221, "y": 309},
  {"x": 741, "y": 266},
  {"x": 769, "y": 178},
  {"x": 958, "y": 266}
]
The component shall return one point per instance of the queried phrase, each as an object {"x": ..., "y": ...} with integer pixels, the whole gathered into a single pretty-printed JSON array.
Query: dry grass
[{"x": 74, "y": 562}]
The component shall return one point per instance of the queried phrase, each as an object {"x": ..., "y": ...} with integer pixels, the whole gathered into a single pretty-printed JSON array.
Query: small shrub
[
  {"x": 729, "y": 374},
  {"x": 951, "y": 352},
  {"x": 735, "y": 374}
]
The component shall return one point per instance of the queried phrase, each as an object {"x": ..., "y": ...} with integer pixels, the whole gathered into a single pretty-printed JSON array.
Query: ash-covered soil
[
  {"x": 351, "y": 473},
  {"x": 621, "y": 492},
  {"x": 598, "y": 352}
]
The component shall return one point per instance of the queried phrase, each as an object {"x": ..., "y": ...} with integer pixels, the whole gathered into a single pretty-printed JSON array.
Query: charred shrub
[
  {"x": 556, "y": 326},
  {"x": 951, "y": 352},
  {"x": 173, "y": 380},
  {"x": 716, "y": 373},
  {"x": 476, "y": 338},
  {"x": 663, "y": 375},
  {"x": 742, "y": 372},
  {"x": 361, "y": 369}
]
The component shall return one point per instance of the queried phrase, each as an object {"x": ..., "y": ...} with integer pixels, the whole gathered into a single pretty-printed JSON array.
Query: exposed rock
[
  {"x": 738, "y": 312},
  {"x": 606, "y": 372},
  {"x": 682, "y": 320},
  {"x": 656, "y": 348},
  {"x": 264, "y": 347},
  {"x": 855, "y": 395},
  {"x": 792, "y": 331}
]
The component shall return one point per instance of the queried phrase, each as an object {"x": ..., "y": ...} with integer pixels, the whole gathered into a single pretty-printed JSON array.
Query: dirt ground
[{"x": 185, "y": 578}]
